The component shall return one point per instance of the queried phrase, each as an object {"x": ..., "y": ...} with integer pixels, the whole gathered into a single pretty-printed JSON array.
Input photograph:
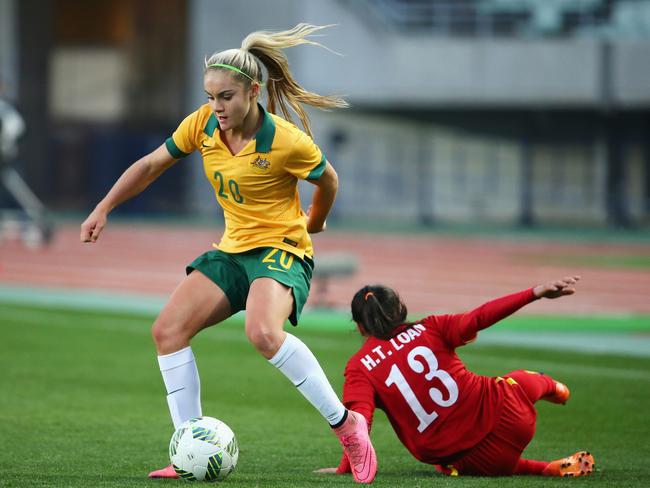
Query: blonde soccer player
[{"x": 263, "y": 263}]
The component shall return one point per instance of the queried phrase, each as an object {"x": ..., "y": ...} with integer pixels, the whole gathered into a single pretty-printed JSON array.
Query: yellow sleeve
[
  {"x": 305, "y": 161},
  {"x": 184, "y": 140}
]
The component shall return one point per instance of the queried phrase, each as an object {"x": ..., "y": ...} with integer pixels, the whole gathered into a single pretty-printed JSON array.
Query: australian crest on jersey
[{"x": 260, "y": 164}]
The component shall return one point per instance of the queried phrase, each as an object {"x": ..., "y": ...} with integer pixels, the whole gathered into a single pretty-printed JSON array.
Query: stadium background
[{"x": 490, "y": 145}]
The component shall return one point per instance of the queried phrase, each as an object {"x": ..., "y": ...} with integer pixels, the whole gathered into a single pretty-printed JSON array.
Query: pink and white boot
[
  {"x": 355, "y": 439},
  {"x": 166, "y": 472}
]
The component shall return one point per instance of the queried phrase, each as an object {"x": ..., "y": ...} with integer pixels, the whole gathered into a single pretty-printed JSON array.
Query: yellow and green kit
[
  {"x": 266, "y": 228},
  {"x": 257, "y": 187}
]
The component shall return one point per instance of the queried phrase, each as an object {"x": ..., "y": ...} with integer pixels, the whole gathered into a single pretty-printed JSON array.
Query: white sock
[
  {"x": 183, "y": 386},
  {"x": 296, "y": 362}
]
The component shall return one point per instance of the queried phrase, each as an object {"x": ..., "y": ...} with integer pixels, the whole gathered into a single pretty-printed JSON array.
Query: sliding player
[{"x": 445, "y": 415}]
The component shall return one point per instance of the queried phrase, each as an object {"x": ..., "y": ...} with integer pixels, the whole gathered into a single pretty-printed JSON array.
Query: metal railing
[{"x": 510, "y": 18}]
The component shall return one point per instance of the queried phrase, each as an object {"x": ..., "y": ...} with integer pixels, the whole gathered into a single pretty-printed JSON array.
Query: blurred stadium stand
[
  {"x": 529, "y": 112},
  {"x": 509, "y": 18}
]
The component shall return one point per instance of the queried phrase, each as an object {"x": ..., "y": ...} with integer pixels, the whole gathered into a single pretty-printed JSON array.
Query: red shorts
[{"x": 498, "y": 453}]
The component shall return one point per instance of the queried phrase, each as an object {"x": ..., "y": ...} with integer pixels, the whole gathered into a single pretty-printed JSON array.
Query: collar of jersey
[{"x": 263, "y": 138}]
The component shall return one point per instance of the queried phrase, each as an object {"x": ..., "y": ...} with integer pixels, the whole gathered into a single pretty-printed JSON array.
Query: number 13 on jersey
[{"x": 395, "y": 377}]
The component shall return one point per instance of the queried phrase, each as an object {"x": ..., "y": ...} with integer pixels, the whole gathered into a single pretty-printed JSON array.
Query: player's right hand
[{"x": 93, "y": 226}]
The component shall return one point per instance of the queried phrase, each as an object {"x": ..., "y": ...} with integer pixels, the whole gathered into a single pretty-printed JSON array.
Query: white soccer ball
[{"x": 204, "y": 449}]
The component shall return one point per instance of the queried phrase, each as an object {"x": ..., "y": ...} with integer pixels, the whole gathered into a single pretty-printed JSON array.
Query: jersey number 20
[
  {"x": 232, "y": 184},
  {"x": 431, "y": 362}
]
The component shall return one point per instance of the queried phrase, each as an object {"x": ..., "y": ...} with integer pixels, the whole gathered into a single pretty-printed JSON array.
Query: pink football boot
[
  {"x": 354, "y": 438},
  {"x": 166, "y": 472}
]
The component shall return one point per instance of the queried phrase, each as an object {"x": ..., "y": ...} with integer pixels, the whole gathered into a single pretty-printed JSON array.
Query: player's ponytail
[
  {"x": 284, "y": 93},
  {"x": 379, "y": 310}
]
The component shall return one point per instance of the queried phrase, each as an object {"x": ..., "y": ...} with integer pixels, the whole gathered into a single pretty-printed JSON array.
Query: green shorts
[{"x": 234, "y": 273}]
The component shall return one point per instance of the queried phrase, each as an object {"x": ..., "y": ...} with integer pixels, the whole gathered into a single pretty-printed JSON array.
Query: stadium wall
[
  {"x": 516, "y": 130},
  {"x": 428, "y": 173},
  {"x": 398, "y": 160},
  {"x": 8, "y": 58},
  {"x": 390, "y": 69}
]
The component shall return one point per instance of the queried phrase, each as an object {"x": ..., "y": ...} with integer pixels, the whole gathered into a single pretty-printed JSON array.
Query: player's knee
[
  {"x": 167, "y": 336},
  {"x": 159, "y": 332},
  {"x": 265, "y": 338}
]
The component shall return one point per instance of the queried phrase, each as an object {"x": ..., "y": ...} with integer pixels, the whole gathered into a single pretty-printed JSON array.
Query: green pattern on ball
[
  {"x": 184, "y": 474},
  {"x": 203, "y": 434},
  {"x": 232, "y": 448},
  {"x": 214, "y": 467},
  {"x": 173, "y": 445}
]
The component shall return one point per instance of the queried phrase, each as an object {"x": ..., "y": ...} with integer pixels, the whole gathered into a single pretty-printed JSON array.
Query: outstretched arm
[
  {"x": 467, "y": 325},
  {"x": 557, "y": 288},
  {"x": 134, "y": 180}
]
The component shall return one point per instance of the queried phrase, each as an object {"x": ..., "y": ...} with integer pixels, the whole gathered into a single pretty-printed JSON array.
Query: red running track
[{"x": 432, "y": 273}]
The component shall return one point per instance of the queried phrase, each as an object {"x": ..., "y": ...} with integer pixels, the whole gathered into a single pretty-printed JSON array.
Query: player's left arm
[
  {"x": 323, "y": 199},
  {"x": 463, "y": 328},
  {"x": 557, "y": 288},
  {"x": 307, "y": 162}
]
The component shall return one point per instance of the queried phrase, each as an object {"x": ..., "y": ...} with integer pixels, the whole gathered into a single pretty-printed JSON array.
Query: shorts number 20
[{"x": 431, "y": 362}]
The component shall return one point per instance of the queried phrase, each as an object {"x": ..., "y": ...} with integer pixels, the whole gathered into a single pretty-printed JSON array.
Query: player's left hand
[
  {"x": 343, "y": 467},
  {"x": 312, "y": 226},
  {"x": 557, "y": 288}
]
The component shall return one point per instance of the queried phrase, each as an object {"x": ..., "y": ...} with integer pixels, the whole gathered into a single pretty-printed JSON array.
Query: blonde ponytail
[{"x": 284, "y": 92}]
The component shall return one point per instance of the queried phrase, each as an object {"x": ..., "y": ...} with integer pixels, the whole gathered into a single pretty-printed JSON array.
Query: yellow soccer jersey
[{"x": 257, "y": 187}]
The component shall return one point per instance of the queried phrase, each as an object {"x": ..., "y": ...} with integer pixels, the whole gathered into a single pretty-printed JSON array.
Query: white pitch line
[
  {"x": 135, "y": 326},
  {"x": 627, "y": 344},
  {"x": 552, "y": 368}
]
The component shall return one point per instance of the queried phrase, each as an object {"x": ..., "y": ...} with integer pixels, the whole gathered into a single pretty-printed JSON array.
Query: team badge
[{"x": 261, "y": 163}]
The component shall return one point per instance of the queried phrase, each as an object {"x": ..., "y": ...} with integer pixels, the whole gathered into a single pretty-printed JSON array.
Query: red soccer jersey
[{"x": 436, "y": 406}]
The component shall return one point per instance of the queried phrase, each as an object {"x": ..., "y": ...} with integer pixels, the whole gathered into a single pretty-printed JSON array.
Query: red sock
[
  {"x": 536, "y": 385},
  {"x": 530, "y": 467}
]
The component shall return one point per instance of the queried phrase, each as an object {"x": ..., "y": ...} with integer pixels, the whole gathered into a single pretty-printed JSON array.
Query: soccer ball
[{"x": 203, "y": 449}]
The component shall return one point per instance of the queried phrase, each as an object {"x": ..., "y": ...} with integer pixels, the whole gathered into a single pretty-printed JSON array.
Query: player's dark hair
[
  {"x": 379, "y": 310},
  {"x": 284, "y": 92}
]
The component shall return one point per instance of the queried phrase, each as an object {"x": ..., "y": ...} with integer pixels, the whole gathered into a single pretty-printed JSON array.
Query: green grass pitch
[{"x": 83, "y": 404}]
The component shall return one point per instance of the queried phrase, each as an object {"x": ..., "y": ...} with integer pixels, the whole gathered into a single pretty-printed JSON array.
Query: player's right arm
[{"x": 133, "y": 181}]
